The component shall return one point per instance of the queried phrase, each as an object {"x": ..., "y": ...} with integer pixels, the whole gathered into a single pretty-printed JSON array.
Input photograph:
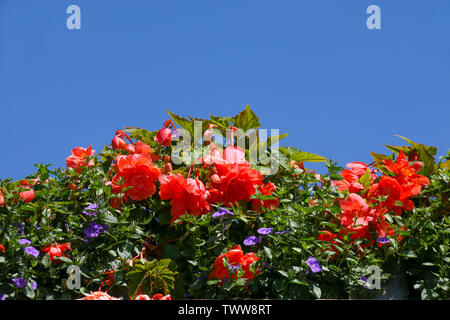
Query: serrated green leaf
[{"x": 301, "y": 155}]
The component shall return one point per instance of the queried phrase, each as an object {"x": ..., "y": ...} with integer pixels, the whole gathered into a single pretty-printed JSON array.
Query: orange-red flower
[
  {"x": 2, "y": 199},
  {"x": 56, "y": 250},
  {"x": 77, "y": 160},
  {"x": 186, "y": 195},
  {"x": 236, "y": 259},
  {"x": 271, "y": 204},
  {"x": 2, "y": 248},
  {"x": 137, "y": 172},
  {"x": 351, "y": 177},
  {"x": 406, "y": 175},
  {"x": 27, "y": 195}
]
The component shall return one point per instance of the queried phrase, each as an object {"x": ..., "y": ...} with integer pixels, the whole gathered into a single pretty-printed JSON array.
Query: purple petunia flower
[
  {"x": 19, "y": 282},
  {"x": 314, "y": 264},
  {"x": 32, "y": 251},
  {"x": 282, "y": 232},
  {"x": 34, "y": 285},
  {"x": 21, "y": 228},
  {"x": 24, "y": 241},
  {"x": 383, "y": 240},
  {"x": 221, "y": 213},
  {"x": 2, "y": 296},
  {"x": 265, "y": 231},
  {"x": 91, "y": 209},
  {"x": 94, "y": 230},
  {"x": 38, "y": 226},
  {"x": 250, "y": 241}
]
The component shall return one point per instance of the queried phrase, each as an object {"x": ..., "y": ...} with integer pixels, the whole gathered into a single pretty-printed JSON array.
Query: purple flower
[
  {"x": 34, "y": 285},
  {"x": 38, "y": 226},
  {"x": 314, "y": 264},
  {"x": 19, "y": 282},
  {"x": 265, "y": 231},
  {"x": 250, "y": 241},
  {"x": 21, "y": 228},
  {"x": 176, "y": 133},
  {"x": 94, "y": 230},
  {"x": 2, "y": 296},
  {"x": 282, "y": 232},
  {"x": 31, "y": 251},
  {"x": 91, "y": 209},
  {"x": 365, "y": 279},
  {"x": 24, "y": 241},
  {"x": 222, "y": 212},
  {"x": 233, "y": 268},
  {"x": 383, "y": 240}
]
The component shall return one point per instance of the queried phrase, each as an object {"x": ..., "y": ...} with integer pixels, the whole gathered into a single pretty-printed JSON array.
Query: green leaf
[
  {"x": 246, "y": 120},
  {"x": 297, "y": 155},
  {"x": 283, "y": 273},
  {"x": 365, "y": 179},
  {"x": 151, "y": 276},
  {"x": 29, "y": 292},
  {"x": 64, "y": 259},
  {"x": 183, "y": 122},
  {"x": 315, "y": 290},
  {"x": 410, "y": 254},
  {"x": 379, "y": 161},
  {"x": 268, "y": 252}
]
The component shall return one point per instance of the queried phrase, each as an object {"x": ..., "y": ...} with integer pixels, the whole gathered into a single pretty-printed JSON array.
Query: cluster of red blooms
[
  {"x": 368, "y": 202},
  {"x": 27, "y": 195},
  {"x": 236, "y": 259}
]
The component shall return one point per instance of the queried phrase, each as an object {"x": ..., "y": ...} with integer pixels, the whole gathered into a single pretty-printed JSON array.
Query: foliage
[{"x": 171, "y": 246}]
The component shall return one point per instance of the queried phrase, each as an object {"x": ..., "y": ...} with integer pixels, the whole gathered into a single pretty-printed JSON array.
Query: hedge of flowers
[{"x": 135, "y": 222}]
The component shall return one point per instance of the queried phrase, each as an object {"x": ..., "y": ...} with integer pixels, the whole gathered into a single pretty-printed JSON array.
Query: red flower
[
  {"x": 236, "y": 258},
  {"x": 351, "y": 177},
  {"x": 118, "y": 143},
  {"x": 271, "y": 204},
  {"x": 164, "y": 135},
  {"x": 141, "y": 147},
  {"x": 186, "y": 195},
  {"x": 237, "y": 181},
  {"x": 28, "y": 195},
  {"x": 56, "y": 250},
  {"x": 406, "y": 175},
  {"x": 2, "y": 199},
  {"x": 329, "y": 237},
  {"x": 2, "y": 248},
  {"x": 138, "y": 172},
  {"x": 77, "y": 160},
  {"x": 354, "y": 207}
]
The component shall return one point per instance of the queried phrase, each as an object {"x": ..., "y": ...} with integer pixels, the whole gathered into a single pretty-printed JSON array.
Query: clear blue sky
[{"x": 310, "y": 68}]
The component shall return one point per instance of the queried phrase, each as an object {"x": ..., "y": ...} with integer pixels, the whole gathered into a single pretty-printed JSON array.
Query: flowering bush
[{"x": 181, "y": 212}]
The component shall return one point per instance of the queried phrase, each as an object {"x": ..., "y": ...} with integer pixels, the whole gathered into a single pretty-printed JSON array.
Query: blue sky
[{"x": 310, "y": 68}]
